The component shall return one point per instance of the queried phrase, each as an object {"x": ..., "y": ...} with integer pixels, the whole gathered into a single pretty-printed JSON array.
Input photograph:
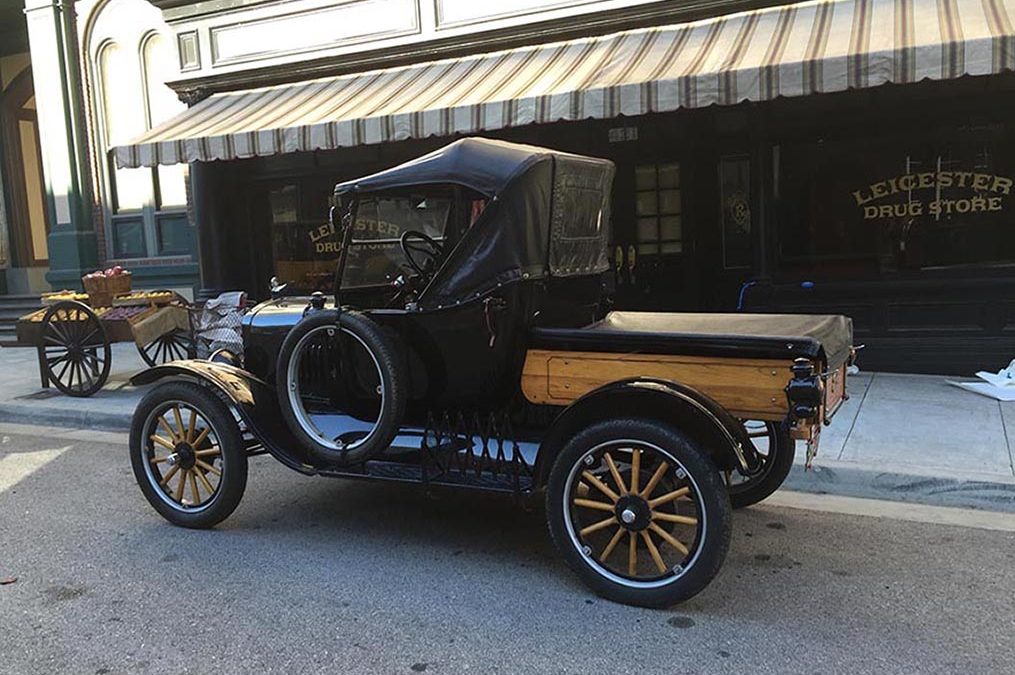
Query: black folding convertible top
[
  {"x": 764, "y": 336},
  {"x": 481, "y": 164},
  {"x": 547, "y": 214}
]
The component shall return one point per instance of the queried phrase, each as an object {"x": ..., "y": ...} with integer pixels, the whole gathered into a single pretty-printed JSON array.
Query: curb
[
  {"x": 829, "y": 477},
  {"x": 60, "y": 417},
  {"x": 936, "y": 490}
]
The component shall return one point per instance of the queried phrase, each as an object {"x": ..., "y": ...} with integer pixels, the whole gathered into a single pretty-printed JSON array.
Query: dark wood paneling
[
  {"x": 946, "y": 326},
  {"x": 936, "y": 316}
]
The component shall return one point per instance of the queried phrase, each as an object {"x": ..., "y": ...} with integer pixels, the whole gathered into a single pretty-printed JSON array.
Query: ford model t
[{"x": 467, "y": 341}]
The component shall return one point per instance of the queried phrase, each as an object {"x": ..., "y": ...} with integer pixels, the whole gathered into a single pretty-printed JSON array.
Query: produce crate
[
  {"x": 159, "y": 321},
  {"x": 101, "y": 290},
  {"x": 28, "y": 327},
  {"x": 145, "y": 298},
  {"x": 117, "y": 321},
  {"x": 60, "y": 296}
]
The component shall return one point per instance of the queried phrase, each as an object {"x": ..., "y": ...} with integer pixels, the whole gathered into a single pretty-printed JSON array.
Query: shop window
[
  {"x": 304, "y": 243},
  {"x": 128, "y": 239},
  {"x": 658, "y": 209},
  {"x": 173, "y": 235},
  {"x": 145, "y": 207},
  {"x": 935, "y": 199}
]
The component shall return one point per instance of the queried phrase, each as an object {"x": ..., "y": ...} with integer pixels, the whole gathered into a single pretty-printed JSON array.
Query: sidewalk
[
  {"x": 901, "y": 437},
  {"x": 23, "y": 400},
  {"x": 915, "y": 438}
]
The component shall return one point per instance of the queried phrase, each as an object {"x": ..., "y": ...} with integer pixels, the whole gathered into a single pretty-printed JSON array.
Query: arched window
[
  {"x": 172, "y": 230},
  {"x": 132, "y": 59},
  {"x": 162, "y": 103}
]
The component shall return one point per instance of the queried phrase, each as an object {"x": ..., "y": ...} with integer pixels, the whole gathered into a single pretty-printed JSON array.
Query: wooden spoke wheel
[
  {"x": 188, "y": 455},
  {"x": 74, "y": 349},
  {"x": 173, "y": 346},
  {"x": 777, "y": 449},
  {"x": 639, "y": 512}
]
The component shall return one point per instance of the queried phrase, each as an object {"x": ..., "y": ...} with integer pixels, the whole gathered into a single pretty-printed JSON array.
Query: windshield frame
[{"x": 449, "y": 193}]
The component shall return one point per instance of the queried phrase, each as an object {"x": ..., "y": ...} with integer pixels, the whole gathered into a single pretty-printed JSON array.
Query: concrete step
[{"x": 12, "y": 308}]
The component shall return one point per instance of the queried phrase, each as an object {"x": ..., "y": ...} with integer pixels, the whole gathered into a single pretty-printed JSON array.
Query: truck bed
[
  {"x": 740, "y": 360},
  {"x": 767, "y": 336}
]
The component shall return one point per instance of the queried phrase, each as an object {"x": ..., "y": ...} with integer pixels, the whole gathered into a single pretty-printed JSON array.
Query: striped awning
[{"x": 793, "y": 50}]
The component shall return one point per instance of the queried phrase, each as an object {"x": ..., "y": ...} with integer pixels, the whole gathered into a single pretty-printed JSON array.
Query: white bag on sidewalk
[{"x": 999, "y": 385}]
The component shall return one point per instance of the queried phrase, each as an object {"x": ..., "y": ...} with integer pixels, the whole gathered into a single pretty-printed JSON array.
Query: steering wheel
[{"x": 414, "y": 242}]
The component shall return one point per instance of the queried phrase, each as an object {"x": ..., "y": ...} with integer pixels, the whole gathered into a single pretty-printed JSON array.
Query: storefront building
[
  {"x": 24, "y": 254},
  {"x": 838, "y": 156}
]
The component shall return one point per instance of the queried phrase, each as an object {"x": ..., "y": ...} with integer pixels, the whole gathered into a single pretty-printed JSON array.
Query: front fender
[
  {"x": 253, "y": 398},
  {"x": 688, "y": 409}
]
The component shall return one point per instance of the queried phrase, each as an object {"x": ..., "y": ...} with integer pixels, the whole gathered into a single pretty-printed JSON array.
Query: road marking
[
  {"x": 876, "y": 508},
  {"x": 17, "y": 466}
]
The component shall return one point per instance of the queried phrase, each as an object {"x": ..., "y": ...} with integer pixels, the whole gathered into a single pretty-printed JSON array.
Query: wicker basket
[{"x": 101, "y": 290}]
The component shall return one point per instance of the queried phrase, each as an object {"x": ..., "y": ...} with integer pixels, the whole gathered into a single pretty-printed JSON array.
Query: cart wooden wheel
[
  {"x": 173, "y": 346},
  {"x": 74, "y": 349}
]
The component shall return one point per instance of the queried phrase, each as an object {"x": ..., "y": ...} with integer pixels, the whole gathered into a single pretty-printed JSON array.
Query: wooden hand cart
[{"x": 73, "y": 338}]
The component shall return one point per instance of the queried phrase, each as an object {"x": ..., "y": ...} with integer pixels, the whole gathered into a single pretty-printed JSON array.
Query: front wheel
[
  {"x": 188, "y": 454},
  {"x": 639, "y": 512}
]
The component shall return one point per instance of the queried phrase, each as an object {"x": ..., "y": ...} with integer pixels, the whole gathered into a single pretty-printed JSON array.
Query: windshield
[{"x": 374, "y": 256}]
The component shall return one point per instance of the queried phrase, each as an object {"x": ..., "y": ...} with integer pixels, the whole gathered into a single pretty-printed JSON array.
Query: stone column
[{"x": 56, "y": 71}]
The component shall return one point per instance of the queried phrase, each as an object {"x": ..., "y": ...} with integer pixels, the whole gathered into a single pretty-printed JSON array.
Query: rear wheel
[
  {"x": 777, "y": 449},
  {"x": 188, "y": 455},
  {"x": 639, "y": 512}
]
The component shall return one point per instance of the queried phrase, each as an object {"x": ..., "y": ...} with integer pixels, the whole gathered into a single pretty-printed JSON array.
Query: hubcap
[
  {"x": 634, "y": 512},
  {"x": 185, "y": 456}
]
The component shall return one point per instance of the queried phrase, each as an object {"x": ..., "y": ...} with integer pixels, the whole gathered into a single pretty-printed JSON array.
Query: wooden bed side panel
[
  {"x": 835, "y": 388},
  {"x": 746, "y": 387}
]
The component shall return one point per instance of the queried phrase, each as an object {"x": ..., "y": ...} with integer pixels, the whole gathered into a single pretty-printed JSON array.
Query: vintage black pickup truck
[{"x": 468, "y": 341}]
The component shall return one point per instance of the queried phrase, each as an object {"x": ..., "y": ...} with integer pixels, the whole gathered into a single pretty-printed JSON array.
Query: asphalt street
[{"x": 321, "y": 575}]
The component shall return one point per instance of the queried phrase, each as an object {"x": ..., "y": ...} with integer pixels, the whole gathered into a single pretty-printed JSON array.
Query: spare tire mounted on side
[{"x": 342, "y": 386}]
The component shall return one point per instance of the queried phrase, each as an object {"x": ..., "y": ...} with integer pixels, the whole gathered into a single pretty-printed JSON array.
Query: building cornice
[{"x": 572, "y": 27}]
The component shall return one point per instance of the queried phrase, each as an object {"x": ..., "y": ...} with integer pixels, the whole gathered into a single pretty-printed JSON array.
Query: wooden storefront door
[{"x": 27, "y": 211}]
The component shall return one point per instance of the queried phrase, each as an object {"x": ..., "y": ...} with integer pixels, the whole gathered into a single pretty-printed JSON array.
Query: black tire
[
  {"x": 708, "y": 497},
  {"x": 778, "y": 462},
  {"x": 386, "y": 404},
  {"x": 230, "y": 460}
]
